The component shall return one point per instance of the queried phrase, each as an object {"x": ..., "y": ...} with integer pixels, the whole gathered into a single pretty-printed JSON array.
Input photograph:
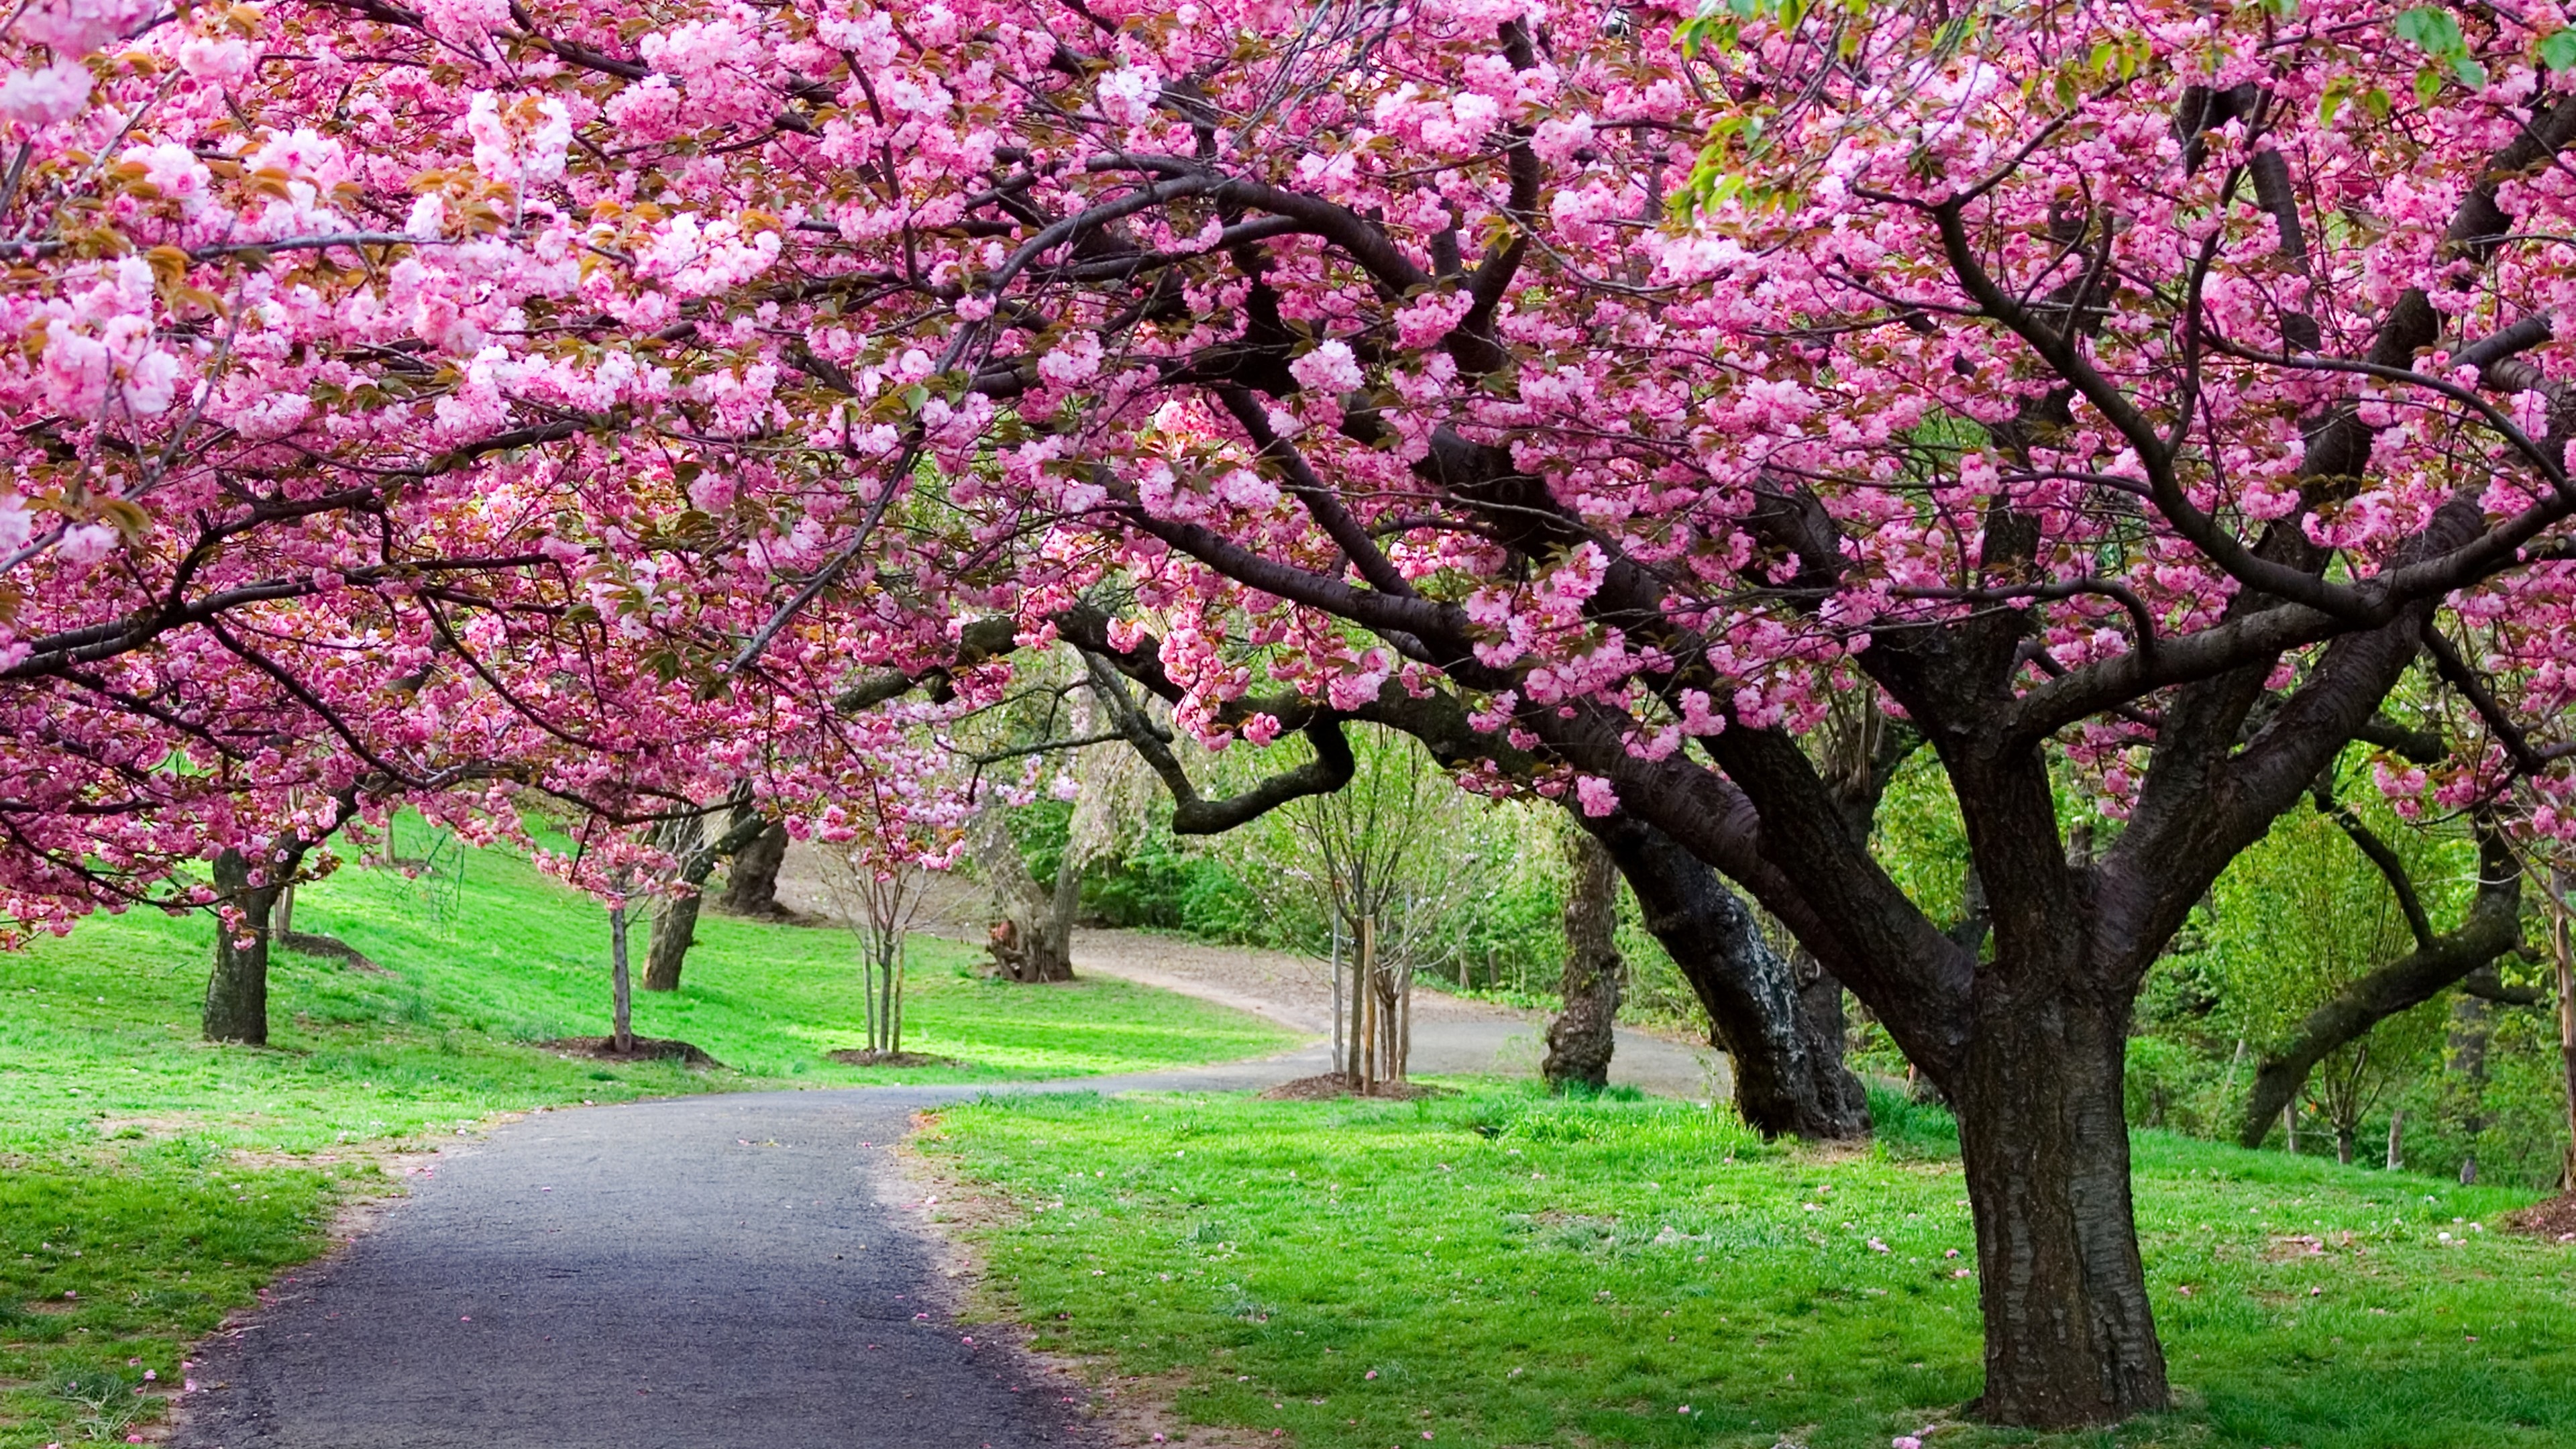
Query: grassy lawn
[
  {"x": 150, "y": 1182},
  {"x": 1497, "y": 1270}
]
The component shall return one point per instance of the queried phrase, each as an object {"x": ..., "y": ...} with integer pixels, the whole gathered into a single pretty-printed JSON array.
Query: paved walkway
[
  {"x": 703, "y": 1273},
  {"x": 1451, "y": 1036},
  {"x": 721, "y": 1272}
]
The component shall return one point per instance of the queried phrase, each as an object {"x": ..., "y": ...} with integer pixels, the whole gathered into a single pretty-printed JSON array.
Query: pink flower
[
  {"x": 41, "y": 97},
  {"x": 1329, "y": 368},
  {"x": 1596, "y": 794}
]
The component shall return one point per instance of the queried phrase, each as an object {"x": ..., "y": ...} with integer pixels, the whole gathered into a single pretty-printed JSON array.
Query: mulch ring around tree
[
  {"x": 646, "y": 1049},
  {"x": 313, "y": 943},
  {"x": 2554, "y": 1219},
  {"x": 1333, "y": 1084},
  {"x": 867, "y": 1057}
]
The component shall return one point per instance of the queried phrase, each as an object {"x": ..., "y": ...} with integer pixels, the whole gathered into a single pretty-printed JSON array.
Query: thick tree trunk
[
  {"x": 1034, "y": 941},
  {"x": 751, "y": 886},
  {"x": 237, "y": 993},
  {"x": 1582, "y": 1037},
  {"x": 675, "y": 926},
  {"x": 1785, "y": 1044},
  {"x": 2070, "y": 1337},
  {"x": 675, "y": 929}
]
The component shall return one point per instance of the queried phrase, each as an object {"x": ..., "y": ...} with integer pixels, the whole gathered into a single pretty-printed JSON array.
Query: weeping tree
[
  {"x": 1033, "y": 940},
  {"x": 1111, "y": 792}
]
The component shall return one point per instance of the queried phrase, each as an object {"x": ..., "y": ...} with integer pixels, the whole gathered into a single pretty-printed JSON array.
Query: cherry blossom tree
[{"x": 622, "y": 403}]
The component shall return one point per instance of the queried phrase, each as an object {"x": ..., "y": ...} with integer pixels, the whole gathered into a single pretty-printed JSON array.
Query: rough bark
[
  {"x": 237, "y": 993},
  {"x": 675, "y": 926},
  {"x": 675, "y": 930},
  {"x": 1581, "y": 1039},
  {"x": 751, "y": 886},
  {"x": 2070, "y": 1336},
  {"x": 1034, "y": 940},
  {"x": 1784, "y": 1044},
  {"x": 2492, "y": 927}
]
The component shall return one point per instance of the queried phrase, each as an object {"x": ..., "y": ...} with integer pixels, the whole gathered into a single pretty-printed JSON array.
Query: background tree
[
  {"x": 694, "y": 858},
  {"x": 1581, "y": 1039},
  {"x": 2328, "y": 953}
]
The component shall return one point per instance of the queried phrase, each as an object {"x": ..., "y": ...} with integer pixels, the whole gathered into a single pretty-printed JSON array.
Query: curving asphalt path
[
  {"x": 717, "y": 1272},
  {"x": 697, "y": 1273}
]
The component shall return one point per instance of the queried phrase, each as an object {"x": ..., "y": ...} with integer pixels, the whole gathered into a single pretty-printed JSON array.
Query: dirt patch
[
  {"x": 1132, "y": 1408},
  {"x": 2308, "y": 1245},
  {"x": 313, "y": 943},
  {"x": 646, "y": 1049},
  {"x": 2554, "y": 1220},
  {"x": 1331, "y": 1085},
  {"x": 862, "y": 1057}
]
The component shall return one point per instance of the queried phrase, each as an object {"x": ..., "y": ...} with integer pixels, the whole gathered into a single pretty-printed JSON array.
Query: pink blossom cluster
[{"x": 484, "y": 404}]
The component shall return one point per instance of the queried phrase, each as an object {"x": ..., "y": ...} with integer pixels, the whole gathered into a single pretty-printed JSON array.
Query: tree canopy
[{"x": 619, "y": 403}]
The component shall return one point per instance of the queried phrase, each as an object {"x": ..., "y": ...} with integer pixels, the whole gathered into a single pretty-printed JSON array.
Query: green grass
[
  {"x": 1498, "y": 1269},
  {"x": 161, "y": 1180}
]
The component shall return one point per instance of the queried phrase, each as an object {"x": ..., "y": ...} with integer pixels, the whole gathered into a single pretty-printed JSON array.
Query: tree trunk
[
  {"x": 1369, "y": 1009},
  {"x": 1784, "y": 1043},
  {"x": 237, "y": 993},
  {"x": 1038, "y": 946},
  {"x": 1581, "y": 1038},
  {"x": 2344, "y": 1141},
  {"x": 751, "y": 886},
  {"x": 2472, "y": 1025},
  {"x": 2396, "y": 1140},
  {"x": 675, "y": 929},
  {"x": 2070, "y": 1337},
  {"x": 621, "y": 991}
]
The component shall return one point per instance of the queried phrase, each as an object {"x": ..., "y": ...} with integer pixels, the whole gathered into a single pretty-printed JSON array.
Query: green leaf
[
  {"x": 2432, "y": 31},
  {"x": 2558, "y": 50}
]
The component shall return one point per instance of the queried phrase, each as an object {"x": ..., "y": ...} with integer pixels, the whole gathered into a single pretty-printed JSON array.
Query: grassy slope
[
  {"x": 161, "y": 1180},
  {"x": 1517, "y": 1272}
]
